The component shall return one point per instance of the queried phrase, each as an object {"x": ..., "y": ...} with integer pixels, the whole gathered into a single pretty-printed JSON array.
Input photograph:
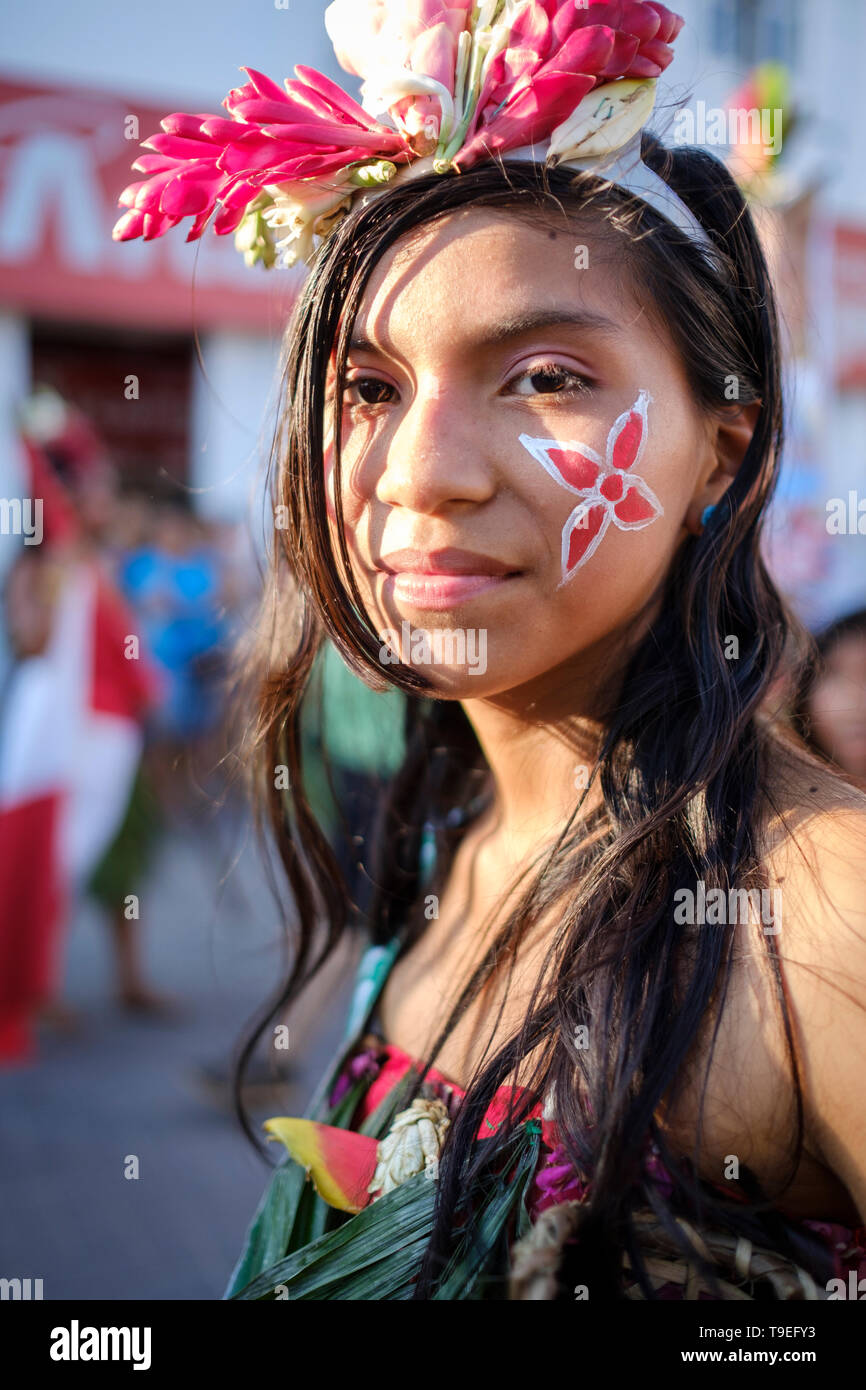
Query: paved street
[{"x": 126, "y": 1085}]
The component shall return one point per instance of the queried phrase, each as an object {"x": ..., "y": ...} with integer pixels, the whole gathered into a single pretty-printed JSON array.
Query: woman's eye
[
  {"x": 549, "y": 378},
  {"x": 371, "y": 391}
]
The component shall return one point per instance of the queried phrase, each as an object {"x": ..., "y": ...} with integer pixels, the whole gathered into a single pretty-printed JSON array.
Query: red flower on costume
[{"x": 608, "y": 488}]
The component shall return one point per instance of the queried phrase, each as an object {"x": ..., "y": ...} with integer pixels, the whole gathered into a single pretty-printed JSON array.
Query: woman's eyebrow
[
  {"x": 536, "y": 320},
  {"x": 519, "y": 326}
]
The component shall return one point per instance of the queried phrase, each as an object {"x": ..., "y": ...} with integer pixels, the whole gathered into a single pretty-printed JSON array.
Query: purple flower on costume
[
  {"x": 365, "y": 1063},
  {"x": 658, "y": 1173},
  {"x": 556, "y": 1181},
  {"x": 846, "y": 1246}
]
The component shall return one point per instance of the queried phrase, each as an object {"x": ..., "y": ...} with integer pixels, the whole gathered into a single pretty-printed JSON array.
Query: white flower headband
[{"x": 447, "y": 84}]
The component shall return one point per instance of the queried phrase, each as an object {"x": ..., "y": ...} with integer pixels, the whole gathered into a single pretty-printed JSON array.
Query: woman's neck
[
  {"x": 540, "y": 771},
  {"x": 541, "y": 739}
]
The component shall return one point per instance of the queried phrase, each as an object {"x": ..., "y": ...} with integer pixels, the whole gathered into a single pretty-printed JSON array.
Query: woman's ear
[{"x": 733, "y": 434}]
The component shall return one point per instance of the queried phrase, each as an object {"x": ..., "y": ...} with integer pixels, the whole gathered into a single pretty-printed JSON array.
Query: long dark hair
[{"x": 683, "y": 763}]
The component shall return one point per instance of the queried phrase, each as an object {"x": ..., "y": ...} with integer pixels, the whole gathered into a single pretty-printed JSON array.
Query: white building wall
[{"x": 233, "y": 406}]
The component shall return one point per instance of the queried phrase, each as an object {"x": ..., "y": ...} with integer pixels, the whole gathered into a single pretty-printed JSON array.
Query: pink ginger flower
[
  {"x": 608, "y": 488},
  {"x": 508, "y": 80},
  {"x": 308, "y": 131},
  {"x": 556, "y": 53},
  {"x": 452, "y": 79},
  {"x": 382, "y": 40}
]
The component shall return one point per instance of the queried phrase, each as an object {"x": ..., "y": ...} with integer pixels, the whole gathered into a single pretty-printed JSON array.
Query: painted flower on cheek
[{"x": 608, "y": 488}]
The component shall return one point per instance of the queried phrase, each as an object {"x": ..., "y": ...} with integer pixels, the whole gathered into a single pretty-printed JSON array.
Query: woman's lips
[{"x": 441, "y": 591}]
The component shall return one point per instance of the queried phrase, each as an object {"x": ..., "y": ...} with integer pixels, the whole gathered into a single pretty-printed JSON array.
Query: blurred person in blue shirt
[{"x": 175, "y": 583}]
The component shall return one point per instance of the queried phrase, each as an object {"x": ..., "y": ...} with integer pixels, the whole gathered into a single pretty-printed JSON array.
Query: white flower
[
  {"x": 386, "y": 86},
  {"x": 295, "y": 221},
  {"x": 605, "y": 120},
  {"x": 412, "y": 1145}
]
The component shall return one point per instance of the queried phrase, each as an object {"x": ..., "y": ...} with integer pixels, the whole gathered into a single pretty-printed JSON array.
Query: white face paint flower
[{"x": 608, "y": 489}]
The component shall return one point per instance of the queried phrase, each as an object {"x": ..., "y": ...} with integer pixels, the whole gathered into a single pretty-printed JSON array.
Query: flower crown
[{"x": 447, "y": 84}]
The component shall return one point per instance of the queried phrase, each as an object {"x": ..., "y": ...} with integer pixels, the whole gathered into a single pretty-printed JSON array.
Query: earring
[{"x": 706, "y": 514}]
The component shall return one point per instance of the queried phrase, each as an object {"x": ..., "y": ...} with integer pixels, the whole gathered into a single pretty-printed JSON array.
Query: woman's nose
[{"x": 436, "y": 455}]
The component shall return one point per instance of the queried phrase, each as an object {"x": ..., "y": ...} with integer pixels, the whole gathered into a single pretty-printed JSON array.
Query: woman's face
[
  {"x": 478, "y": 349},
  {"x": 837, "y": 706}
]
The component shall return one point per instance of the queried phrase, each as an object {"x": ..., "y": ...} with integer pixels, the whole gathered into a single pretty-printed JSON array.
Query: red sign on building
[{"x": 65, "y": 157}]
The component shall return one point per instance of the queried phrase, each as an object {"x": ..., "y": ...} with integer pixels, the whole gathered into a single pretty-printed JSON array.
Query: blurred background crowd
[{"x": 138, "y": 928}]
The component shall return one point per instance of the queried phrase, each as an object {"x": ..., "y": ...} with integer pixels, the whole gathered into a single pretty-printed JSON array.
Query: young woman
[
  {"x": 614, "y": 1001},
  {"x": 831, "y": 712}
]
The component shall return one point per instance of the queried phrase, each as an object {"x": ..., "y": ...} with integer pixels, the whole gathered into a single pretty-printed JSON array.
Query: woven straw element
[{"x": 741, "y": 1268}]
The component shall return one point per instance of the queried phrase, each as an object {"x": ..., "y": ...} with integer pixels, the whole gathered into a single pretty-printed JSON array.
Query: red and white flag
[{"x": 70, "y": 744}]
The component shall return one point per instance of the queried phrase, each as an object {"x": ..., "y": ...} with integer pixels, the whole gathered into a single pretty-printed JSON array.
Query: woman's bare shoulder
[
  {"x": 814, "y": 817},
  {"x": 816, "y": 855}
]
